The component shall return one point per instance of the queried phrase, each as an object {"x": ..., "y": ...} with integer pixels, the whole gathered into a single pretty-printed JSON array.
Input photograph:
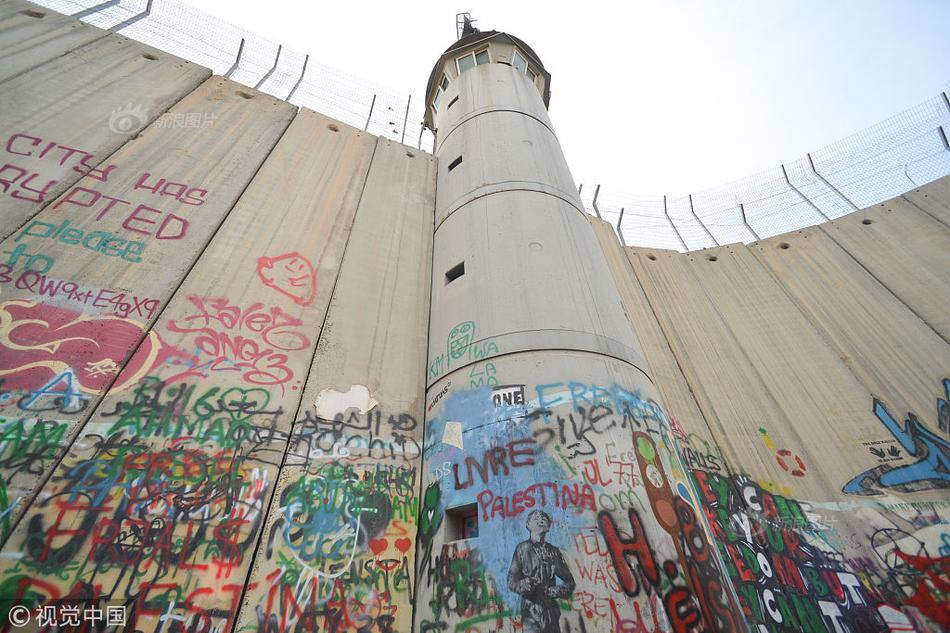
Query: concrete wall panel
[
  {"x": 698, "y": 447},
  {"x": 64, "y": 118},
  {"x": 933, "y": 199},
  {"x": 31, "y": 35},
  {"x": 895, "y": 355},
  {"x": 194, "y": 446},
  {"x": 347, "y": 498},
  {"x": 83, "y": 280},
  {"x": 907, "y": 251}
]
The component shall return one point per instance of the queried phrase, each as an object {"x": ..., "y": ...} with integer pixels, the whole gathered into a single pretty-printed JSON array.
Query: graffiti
[
  {"x": 565, "y": 496},
  {"x": 783, "y": 580},
  {"x": 180, "y": 191},
  {"x": 507, "y": 395},
  {"x": 461, "y": 346},
  {"x": 21, "y": 144},
  {"x": 252, "y": 340},
  {"x": 497, "y": 460},
  {"x": 786, "y": 459},
  {"x": 930, "y": 471},
  {"x": 112, "y": 301},
  {"x": 535, "y": 568},
  {"x": 102, "y": 242},
  {"x": 371, "y": 434},
  {"x": 290, "y": 274}
]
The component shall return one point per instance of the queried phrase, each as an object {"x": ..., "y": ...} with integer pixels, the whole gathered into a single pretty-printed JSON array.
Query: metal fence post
[
  {"x": 405, "y": 120},
  {"x": 135, "y": 18},
  {"x": 746, "y": 222},
  {"x": 830, "y": 186},
  {"x": 623, "y": 242},
  {"x": 693, "y": 211},
  {"x": 596, "y": 210},
  {"x": 99, "y": 7},
  {"x": 272, "y": 68},
  {"x": 675, "y": 230},
  {"x": 370, "y": 115},
  {"x": 237, "y": 60},
  {"x": 300, "y": 80},
  {"x": 943, "y": 136},
  {"x": 803, "y": 196}
]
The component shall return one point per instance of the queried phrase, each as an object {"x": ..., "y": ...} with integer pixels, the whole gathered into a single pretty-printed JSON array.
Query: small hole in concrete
[
  {"x": 652, "y": 258},
  {"x": 34, "y": 14},
  {"x": 711, "y": 258},
  {"x": 244, "y": 95},
  {"x": 865, "y": 221},
  {"x": 783, "y": 245},
  {"x": 149, "y": 57},
  {"x": 410, "y": 155},
  {"x": 333, "y": 127}
]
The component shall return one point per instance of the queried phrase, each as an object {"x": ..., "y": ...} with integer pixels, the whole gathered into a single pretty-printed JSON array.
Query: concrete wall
[
  {"x": 225, "y": 403},
  {"x": 212, "y": 344},
  {"x": 809, "y": 375}
]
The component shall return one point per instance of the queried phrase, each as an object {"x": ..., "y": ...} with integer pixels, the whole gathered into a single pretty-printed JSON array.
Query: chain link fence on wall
[
  {"x": 185, "y": 31},
  {"x": 885, "y": 160},
  {"x": 896, "y": 155}
]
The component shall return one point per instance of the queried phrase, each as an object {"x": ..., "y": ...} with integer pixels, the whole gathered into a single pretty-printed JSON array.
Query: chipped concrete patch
[{"x": 330, "y": 402}]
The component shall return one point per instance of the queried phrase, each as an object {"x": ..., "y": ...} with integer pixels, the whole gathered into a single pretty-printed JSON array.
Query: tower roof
[{"x": 474, "y": 39}]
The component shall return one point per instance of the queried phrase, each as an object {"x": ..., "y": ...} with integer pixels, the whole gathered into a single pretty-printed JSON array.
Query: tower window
[
  {"x": 455, "y": 163},
  {"x": 454, "y": 272},
  {"x": 440, "y": 91},
  {"x": 462, "y": 522},
  {"x": 518, "y": 61},
  {"x": 470, "y": 60}
]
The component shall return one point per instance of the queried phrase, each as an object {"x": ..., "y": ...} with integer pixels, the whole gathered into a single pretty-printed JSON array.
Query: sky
[{"x": 653, "y": 98}]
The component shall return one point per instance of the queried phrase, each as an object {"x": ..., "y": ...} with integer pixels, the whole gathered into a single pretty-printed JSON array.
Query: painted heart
[
  {"x": 403, "y": 544},
  {"x": 378, "y": 545}
]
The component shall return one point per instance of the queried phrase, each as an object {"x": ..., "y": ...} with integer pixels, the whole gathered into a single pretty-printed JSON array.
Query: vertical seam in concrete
[
  {"x": 884, "y": 285},
  {"x": 425, "y": 386},
  {"x": 290, "y": 433},
  {"x": 679, "y": 364},
  {"x": 82, "y": 422},
  {"x": 923, "y": 210}
]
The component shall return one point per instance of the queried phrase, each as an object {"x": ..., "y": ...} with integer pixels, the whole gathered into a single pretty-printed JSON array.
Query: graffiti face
[
  {"x": 290, "y": 274},
  {"x": 461, "y": 336}
]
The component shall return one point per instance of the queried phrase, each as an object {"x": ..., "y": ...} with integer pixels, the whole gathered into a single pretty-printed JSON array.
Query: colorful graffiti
[{"x": 932, "y": 468}]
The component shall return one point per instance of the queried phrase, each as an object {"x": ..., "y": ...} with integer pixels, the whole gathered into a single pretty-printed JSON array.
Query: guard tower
[{"x": 538, "y": 397}]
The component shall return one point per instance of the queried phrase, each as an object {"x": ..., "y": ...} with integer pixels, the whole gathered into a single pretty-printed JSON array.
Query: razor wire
[{"x": 880, "y": 162}]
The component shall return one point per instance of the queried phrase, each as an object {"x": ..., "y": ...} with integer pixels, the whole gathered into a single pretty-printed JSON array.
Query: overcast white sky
[{"x": 656, "y": 97}]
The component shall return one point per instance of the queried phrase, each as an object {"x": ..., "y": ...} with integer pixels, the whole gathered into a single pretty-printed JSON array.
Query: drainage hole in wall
[
  {"x": 783, "y": 245},
  {"x": 333, "y": 127},
  {"x": 711, "y": 258},
  {"x": 34, "y": 14},
  {"x": 149, "y": 57},
  {"x": 866, "y": 221},
  {"x": 410, "y": 155},
  {"x": 652, "y": 258},
  {"x": 244, "y": 95}
]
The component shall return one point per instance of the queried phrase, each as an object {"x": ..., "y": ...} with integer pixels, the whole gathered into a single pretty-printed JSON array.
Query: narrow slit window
[
  {"x": 451, "y": 103},
  {"x": 454, "y": 272},
  {"x": 455, "y": 163},
  {"x": 462, "y": 523}
]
